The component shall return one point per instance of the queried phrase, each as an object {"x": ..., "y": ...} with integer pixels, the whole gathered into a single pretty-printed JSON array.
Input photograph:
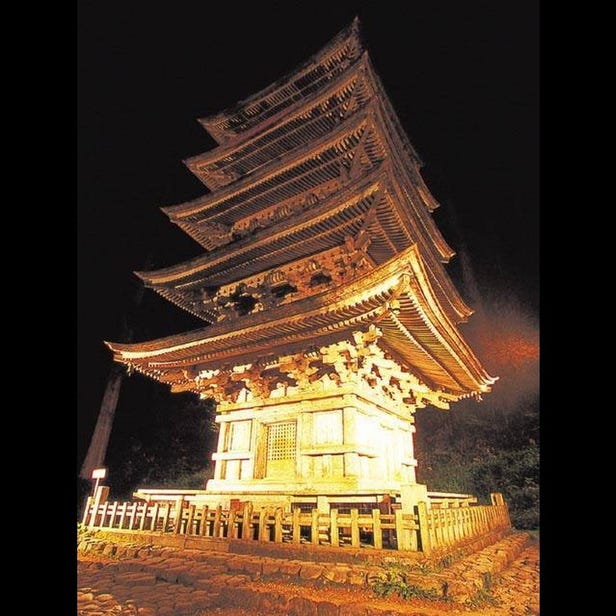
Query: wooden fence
[
  {"x": 424, "y": 530},
  {"x": 443, "y": 527}
]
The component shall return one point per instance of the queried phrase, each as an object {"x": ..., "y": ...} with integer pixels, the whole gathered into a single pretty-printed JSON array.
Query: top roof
[{"x": 322, "y": 67}]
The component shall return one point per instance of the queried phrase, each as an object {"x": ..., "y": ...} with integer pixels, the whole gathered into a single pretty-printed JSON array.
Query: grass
[{"x": 393, "y": 580}]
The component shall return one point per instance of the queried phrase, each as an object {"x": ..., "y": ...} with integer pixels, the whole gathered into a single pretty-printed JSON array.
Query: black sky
[{"x": 462, "y": 76}]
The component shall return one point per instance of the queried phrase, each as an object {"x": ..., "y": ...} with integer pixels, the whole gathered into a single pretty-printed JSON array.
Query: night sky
[{"x": 462, "y": 76}]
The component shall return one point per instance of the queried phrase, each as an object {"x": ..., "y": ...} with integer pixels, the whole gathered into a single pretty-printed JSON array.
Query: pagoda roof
[
  {"x": 418, "y": 333},
  {"x": 310, "y": 76},
  {"x": 256, "y": 190},
  {"x": 212, "y": 219},
  {"x": 306, "y": 119},
  {"x": 374, "y": 202}
]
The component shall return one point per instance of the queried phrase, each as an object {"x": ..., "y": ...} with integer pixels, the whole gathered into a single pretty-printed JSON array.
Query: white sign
[{"x": 99, "y": 473}]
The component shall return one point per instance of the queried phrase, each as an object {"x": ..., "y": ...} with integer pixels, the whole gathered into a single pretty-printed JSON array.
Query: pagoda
[{"x": 330, "y": 318}]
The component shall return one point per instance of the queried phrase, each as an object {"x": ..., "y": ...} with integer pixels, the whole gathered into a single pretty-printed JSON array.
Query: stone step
[
  {"x": 518, "y": 584},
  {"x": 481, "y": 570},
  {"x": 457, "y": 576}
]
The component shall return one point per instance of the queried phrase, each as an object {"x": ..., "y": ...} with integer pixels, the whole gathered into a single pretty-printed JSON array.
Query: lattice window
[{"x": 281, "y": 440}]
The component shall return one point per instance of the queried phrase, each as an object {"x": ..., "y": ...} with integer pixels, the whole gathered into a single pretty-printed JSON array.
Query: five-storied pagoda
[{"x": 330, "y": 317}]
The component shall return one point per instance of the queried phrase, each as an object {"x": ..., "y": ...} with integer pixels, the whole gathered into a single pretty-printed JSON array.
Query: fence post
[
  {"x": 131, "y": 516},
  {"x": 217, "y": 520},
  {"x": 191, "y": 517},
  {"x": 424, "y": 530},
  {"x": 355, "y": 528},
  {"x": 166, "y": 517},
  {"x": 203, "y": 529},
  {"x": 247, "y": 521},
  {"x": 334, "y": 537},
  {"x": 101, "y": 524},
  {"x": 314, "y": 527},
  {"x": 112, "y": 515},
  {"x": 449, "y": 526},
  {"x": 401, "y": 536},
  {"x": 86, "y": 512},
  {"x": 143, "y": 518},
  {"x": 179, "y": 503},
  {"x": 231, "y": 531},
  {"x": 278, "y": 525},
  {"x": 296, "y": 526},
  {"x": 262, "y": 525},
  {"x": 377, "y": 533},
  {"x": 100, "y": 497},
  {"x": 155, "y": 508}
]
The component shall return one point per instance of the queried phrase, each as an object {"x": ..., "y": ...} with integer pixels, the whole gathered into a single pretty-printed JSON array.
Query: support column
[
  {"x": 349, "y": 425},
  {"x": 411, "y": 495},
  {"x": 222, "y": 436},
  {"x": 100, "y": 497},
  {"x": 412, "y": 477},
  {"x": 322, "y": 504}
]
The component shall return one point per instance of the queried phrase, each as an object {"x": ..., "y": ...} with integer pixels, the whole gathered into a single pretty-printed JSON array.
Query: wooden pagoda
[{"x": 330, "y": 317}]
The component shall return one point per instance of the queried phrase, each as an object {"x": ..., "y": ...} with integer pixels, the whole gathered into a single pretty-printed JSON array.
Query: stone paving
[{"x": 135, "y": 580}]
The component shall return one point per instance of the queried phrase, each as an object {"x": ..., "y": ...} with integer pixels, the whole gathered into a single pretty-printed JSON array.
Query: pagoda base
[
  {"x": 345, "y": 485},
  {"x": 325, "y": 496}
]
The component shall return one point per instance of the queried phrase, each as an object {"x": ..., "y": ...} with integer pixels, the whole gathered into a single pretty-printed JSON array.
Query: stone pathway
[
  {"x": 133, "y": 580},
  {"x": 518, "y": 586}
]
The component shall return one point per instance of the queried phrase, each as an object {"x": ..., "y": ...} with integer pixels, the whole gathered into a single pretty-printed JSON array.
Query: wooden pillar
[
  {"x": 131, "y": 516},
  {"x": 401, "y": 533},
  {"x": 424, "y": 529},
  {"x": 217, "y": 521},
  {"x": 203, "y": 529},
  {"x": 166, "y": 516},
  {"x": 349, "y": 429},
  {"x": 333, "y": 526},
  {"x": 355, "y": 528},
  {"x": 179, "y": 502},
  {"x": 100, "y": 497},
  {"x": 296, "y": 526},
  {"x": 191, "y": 517},
  {"x": 377, "y": 533},
  {"x": 278, "y": 525},
  {"x": 154, "y": 522},
  {"x": 314, "y": 529},
  {"x": 86, "y": 512},
  {"x": 263, "y": 534},
  {"x": 143, "y": 517},
  {"x": 123, "y": 509},
  {"x": 231, "y": 530},
  {"x": 105, "y": 505},
  {"x": 222, "y": 437},
  {"x": 247, "y": 521}
]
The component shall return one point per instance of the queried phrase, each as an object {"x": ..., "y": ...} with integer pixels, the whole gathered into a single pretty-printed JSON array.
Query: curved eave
[
  {"x": 398, "y": 228},
  {"x": 372, "y": 116},
  {"x": 263, "y": 240},
  {"x": 211, "y": 202},
  {"x": 420, "y": 336},
  {"x": 348, "y": 37},
  {"x": 261, "y": 131}
]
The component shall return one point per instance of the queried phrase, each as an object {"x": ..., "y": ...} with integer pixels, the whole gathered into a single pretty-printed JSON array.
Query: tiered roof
[{"x": 317, "y": 218}]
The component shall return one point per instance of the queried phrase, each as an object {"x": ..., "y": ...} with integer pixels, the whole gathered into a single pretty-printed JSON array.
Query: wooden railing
[
  {"x": 444, "y": 527},
  {"x": 424, "y": 530}
]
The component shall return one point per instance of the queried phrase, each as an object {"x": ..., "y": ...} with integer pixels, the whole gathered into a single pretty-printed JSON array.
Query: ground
[{"x": 117, "y": 581}]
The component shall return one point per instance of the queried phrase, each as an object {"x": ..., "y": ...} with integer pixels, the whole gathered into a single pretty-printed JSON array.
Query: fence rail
[{"x": 424, "y": 530}]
